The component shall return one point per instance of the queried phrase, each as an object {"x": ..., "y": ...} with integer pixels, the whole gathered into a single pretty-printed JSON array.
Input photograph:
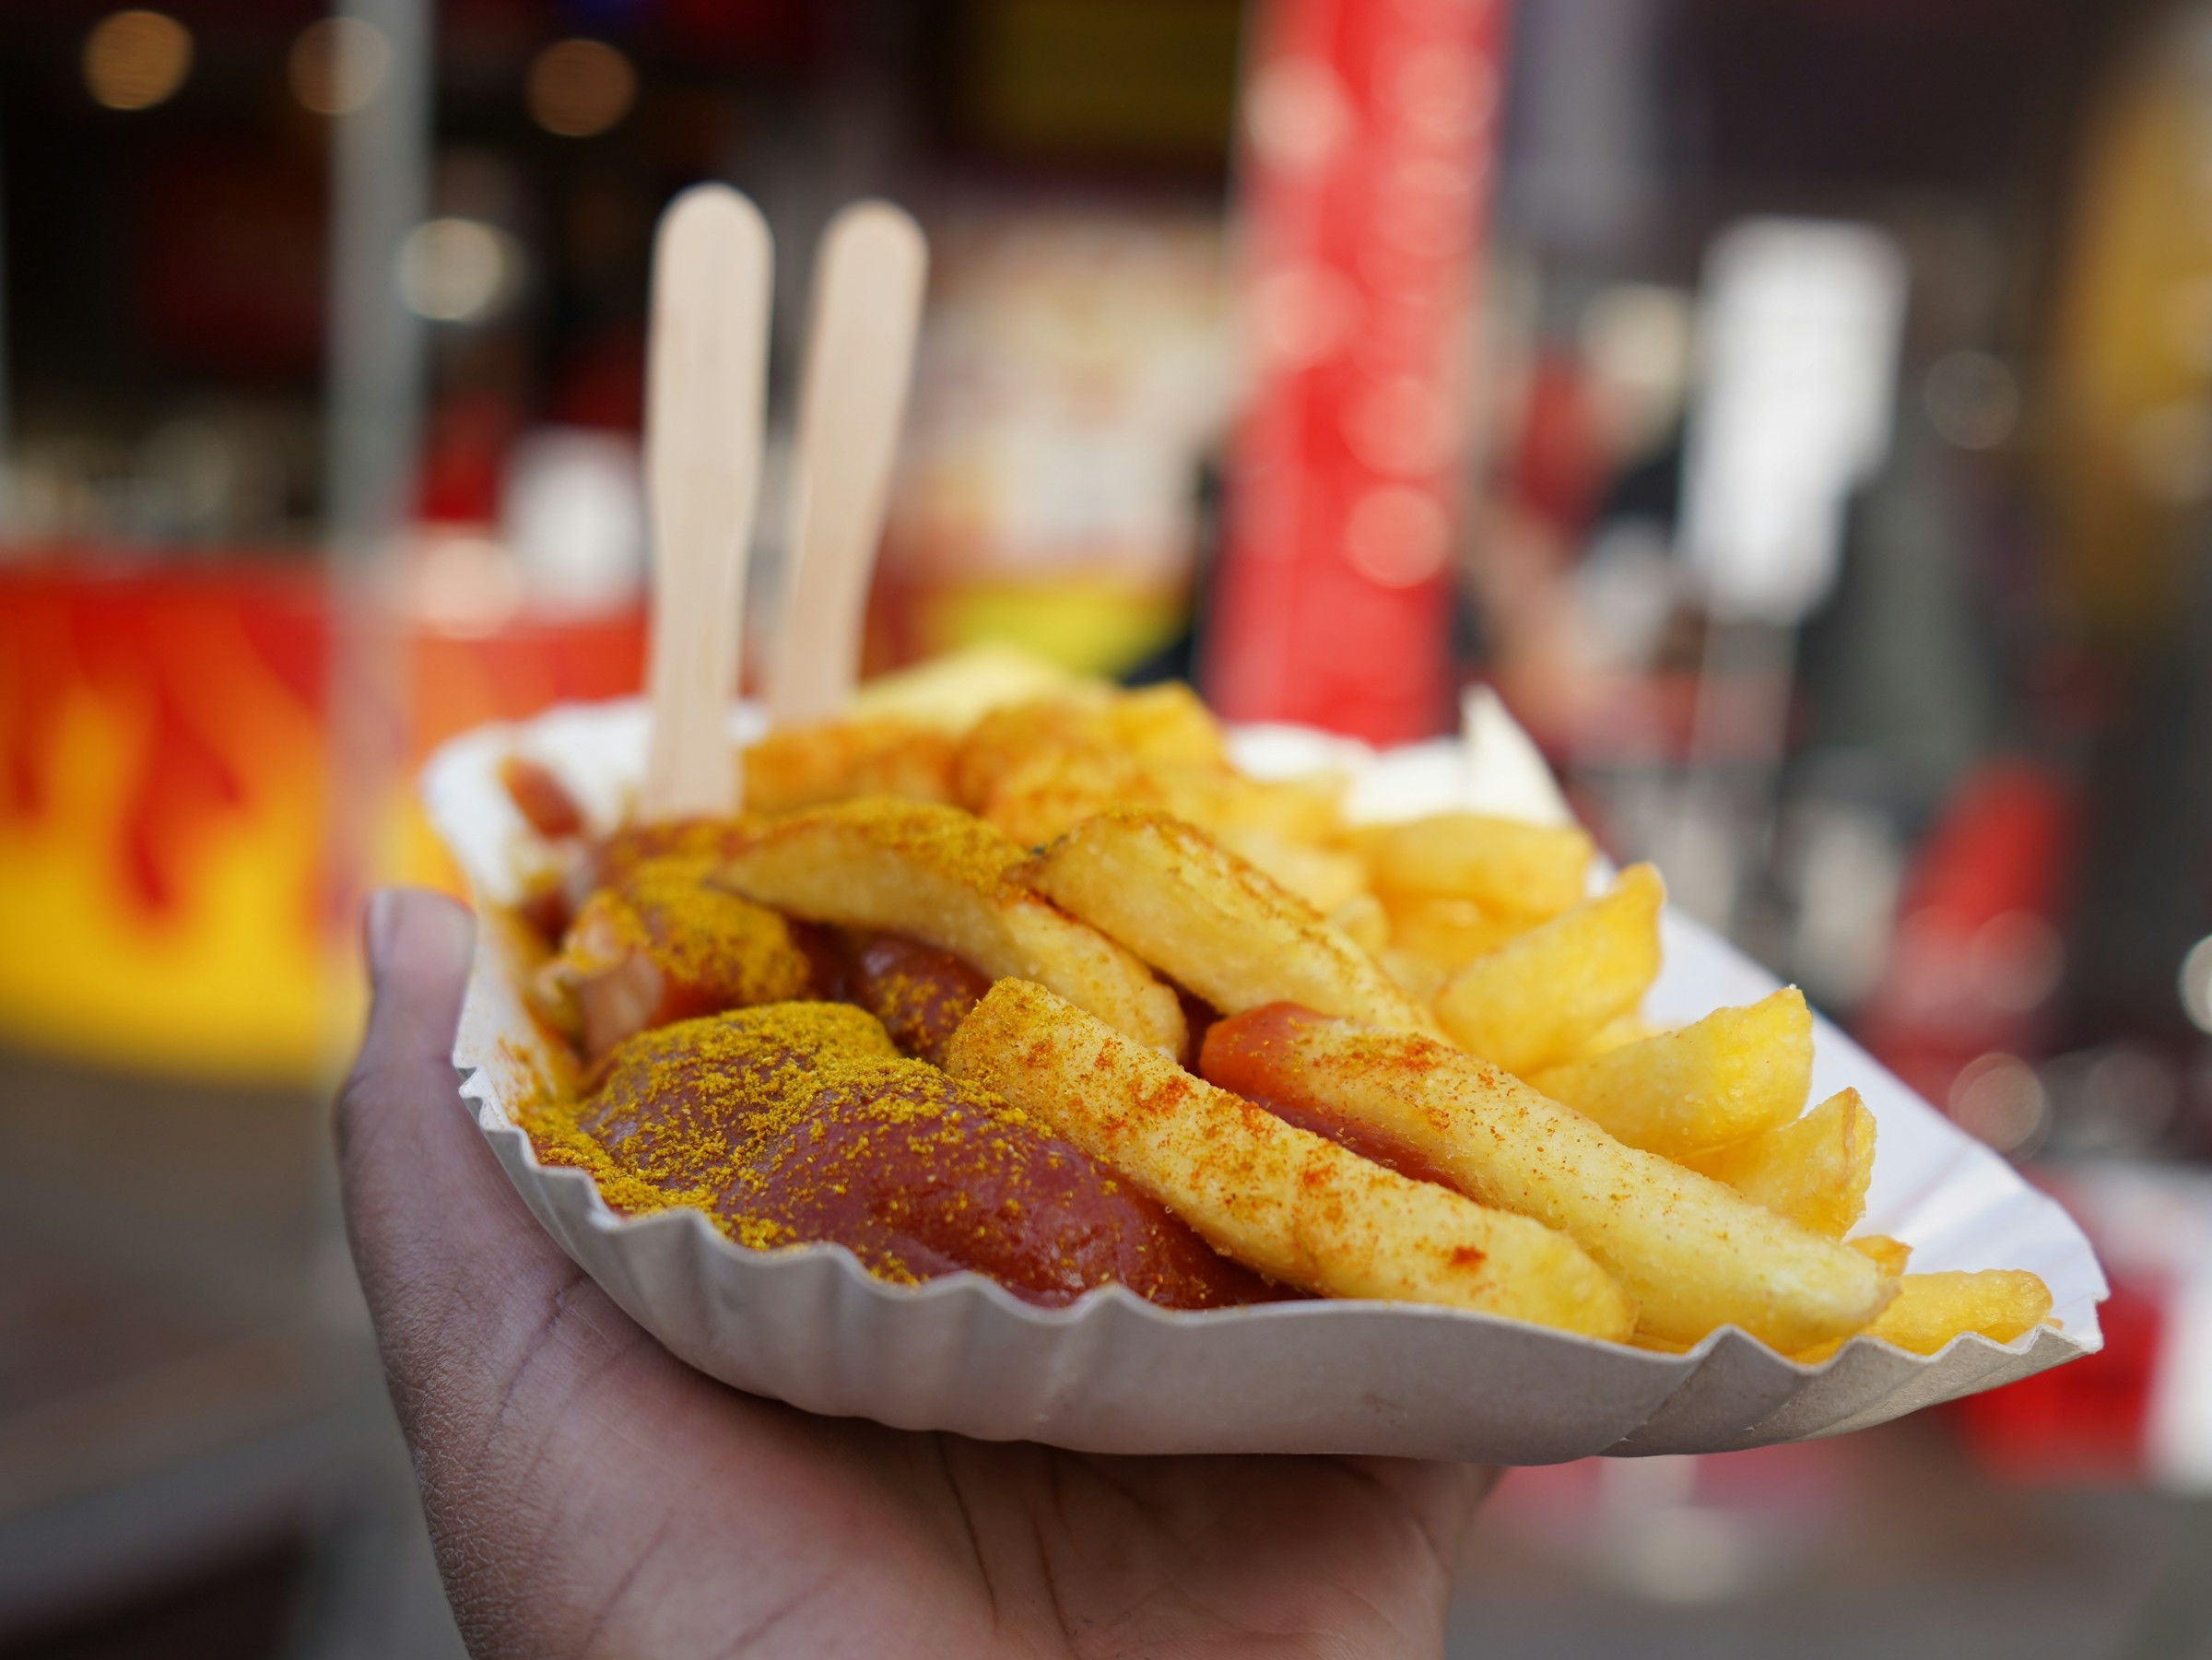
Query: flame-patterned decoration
[{"x": 165, "y": 897}]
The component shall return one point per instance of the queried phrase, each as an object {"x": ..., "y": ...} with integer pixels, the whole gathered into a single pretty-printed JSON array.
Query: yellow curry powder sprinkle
[
  {"x": 704, "y": 934},
  {"x": 703, "y": 1112},
  {"x": 938, "y": 838}
]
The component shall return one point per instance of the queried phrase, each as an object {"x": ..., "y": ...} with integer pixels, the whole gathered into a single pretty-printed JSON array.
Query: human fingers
[
  {"x": 456, "y": 1273},
  {"x": 423, "y": 1195}
]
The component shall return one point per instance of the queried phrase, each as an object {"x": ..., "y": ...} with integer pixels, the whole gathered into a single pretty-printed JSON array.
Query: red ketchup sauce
[
  {"x": 1246, "y": 1055},
  {"x": 919, "y": 992},
  {"x": 541, "y": 798}
]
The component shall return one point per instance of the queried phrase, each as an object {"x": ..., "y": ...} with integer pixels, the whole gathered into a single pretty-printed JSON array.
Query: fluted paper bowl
[{"x": 1114, "y": 1373}]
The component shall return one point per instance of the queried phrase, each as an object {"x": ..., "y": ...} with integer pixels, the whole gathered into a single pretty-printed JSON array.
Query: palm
[{"x": 591, "y": 1494}]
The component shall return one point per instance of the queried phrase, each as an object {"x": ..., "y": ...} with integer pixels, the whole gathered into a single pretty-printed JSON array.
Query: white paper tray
[{"x": 1114, "y": 1373}]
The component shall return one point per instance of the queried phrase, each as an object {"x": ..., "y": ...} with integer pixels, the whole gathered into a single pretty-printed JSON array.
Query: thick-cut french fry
[
  {"x": 1167, "y": 722},
  {"x": 1508, "y": 867},
  {"x": 1363, "y": 922},
  {"x": 1534, "y": 1001},
  {"x": 1615, "y": 1033},
  {"x": 1037, "y": 768},
  {"x": 1054, "y": 790},
  {"x": 1218, "y": 800},
  {"x": 1889, "y": 1254},
  {"x": 1292, "y": 1204},
  {"x": 1006, "y": 740},
  {"x": 946, "y": 878},
  {"x": 951, "y": 693},
  {"x": 839, "y": 761},
  {"x": 1735, "y": 1073},
  {"x": 1693, "y": 1255},
  {"x": 1415, "y": 975},
  {"x": 1211, "y": 922},
  {"x": 1451, "y": 933},
  {"x": 1931, "y": 1309},
  {"x": 1813, "y": 1170},
  {"x": 1322, "y": 876}
]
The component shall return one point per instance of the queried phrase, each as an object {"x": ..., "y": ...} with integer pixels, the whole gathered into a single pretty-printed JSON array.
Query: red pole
[{"x": 1366, "y": 140}]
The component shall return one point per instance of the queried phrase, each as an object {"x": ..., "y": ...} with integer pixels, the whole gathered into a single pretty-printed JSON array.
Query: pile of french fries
[{"x": 1450, "y": 988}]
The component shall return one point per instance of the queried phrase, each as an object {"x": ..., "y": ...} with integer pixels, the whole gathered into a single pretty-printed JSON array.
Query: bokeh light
[
  {"x": 1973, "y": 399},
  {"x": 2197, "y": 985},
  {"x": 1397, "y": 535},
  {"x": 578, "y": 88},
  {"x": 2000, "y": 1101},
  {"x": 455, "y": 270},
  {"x": 337, "y": 65},
  {"x": 1297, "y": 114},
  {"x": 134, "y": 60}
]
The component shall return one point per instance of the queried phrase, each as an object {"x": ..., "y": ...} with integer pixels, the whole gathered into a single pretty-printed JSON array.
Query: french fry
[
  {"x": 1051, "y": 791},
  {"x": 952, "y": 692},
  {"x": 1534, "y": 1001},
  {"x": 1292, "y": 1204},
  {"x": 1889, "y": 1254},
  {"x": 1615, "y": 1033},
  {"x": 946, "y": 878},
  {"x": 1415, "y": 975},
  {"x": 1221, "y": 801},
  {"x": 1451, "y": 933},
  {"x": 1931, "y": 1309},
  {"x": 1035, "y": 770},
  {"x": 1211, "y": 922},
  {"x": 1735, "y": 1073},
  {"x": 1167, "y": 723},
  {"x": 1323, "y": 876},
  {"x": 1009, "y": 739},
  {"x": 1508, "y": 867},
  {"x": 1693, "y": 1255},
  {"x": 800, "y": 767},
  {"x": 1813, "y": 1170},
  {"x": 1363, "y": 920}
]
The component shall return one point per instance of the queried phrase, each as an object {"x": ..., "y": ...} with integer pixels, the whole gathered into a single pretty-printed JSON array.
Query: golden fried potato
[
  {"x": 952, "y": 692},
  {"x": 1814, "y": 1170},
  {"x": 1889, "y": 1254},
  {"x": 1415, "y": 975},
  {"x": 799, "y": 766},
  {"x": 944, "y": 878},
  {"x": 1616, "y": 1034},
  {"x": 1322, "y": 876},
  {"x": 1211, "y": 922},
  {"x": 1536, "y": 1000},
  {"x": 1508, "y": 867},
  {"x": 1451, "y": 933},
  {"x": 1693, "y": 1255},
  {"x": 1218, "y": 800},
  {"x": 1735, "y": 1073},
  {"x": 1292, "y": 1204},
  {"x": 1363, "y": 920},
  {"x": 1054, "y": 790},
  {"x": 1006, "y": 740},
  {"x": 1166, "y": 722},
  {"x": 1932, "y": 1309}
]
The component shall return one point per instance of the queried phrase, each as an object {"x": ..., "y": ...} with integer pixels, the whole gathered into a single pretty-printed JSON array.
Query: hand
[{"x": 590, "y": 1494}]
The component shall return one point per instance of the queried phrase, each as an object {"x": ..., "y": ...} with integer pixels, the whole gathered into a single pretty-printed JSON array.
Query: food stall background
[{"x": 1800, "y": 411}]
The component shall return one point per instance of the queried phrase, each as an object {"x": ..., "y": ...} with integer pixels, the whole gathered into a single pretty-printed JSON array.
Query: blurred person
[{"x": 588, "y": 1492}]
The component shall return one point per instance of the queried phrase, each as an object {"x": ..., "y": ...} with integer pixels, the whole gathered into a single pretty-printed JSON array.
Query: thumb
[
  {"x": 455, "y": 1270},
  {"x": 419, "y": 945},
  {"x": 399, "y": 1122}
]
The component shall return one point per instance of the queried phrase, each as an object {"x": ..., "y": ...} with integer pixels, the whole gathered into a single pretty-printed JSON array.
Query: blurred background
[{"x": 1799, "y": 410}]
